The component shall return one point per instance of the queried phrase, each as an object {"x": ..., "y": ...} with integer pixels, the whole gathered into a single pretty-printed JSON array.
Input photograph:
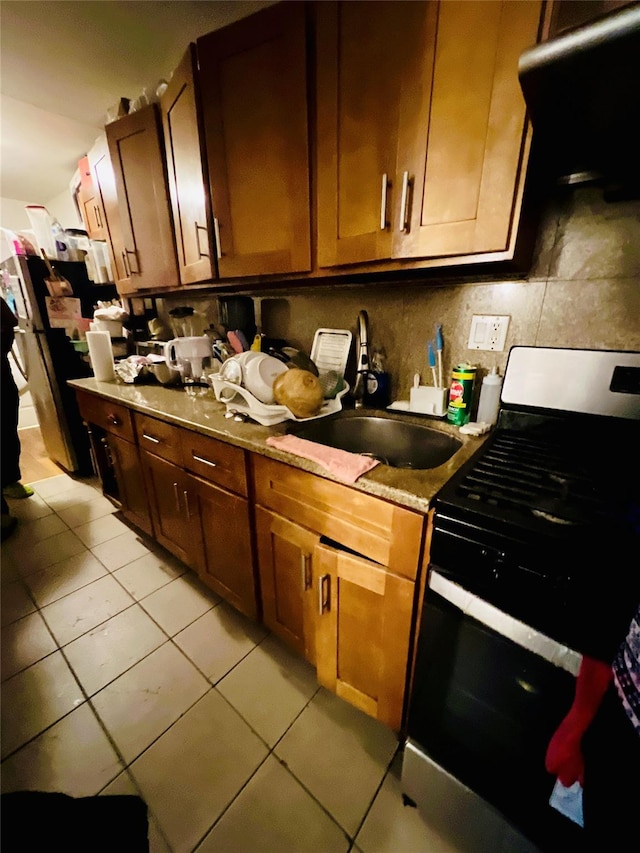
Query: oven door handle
[{"x": 504, "y": 625}]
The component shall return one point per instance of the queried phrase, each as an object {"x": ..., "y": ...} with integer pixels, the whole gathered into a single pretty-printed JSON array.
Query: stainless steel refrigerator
[{"x": 47, "y": 353}]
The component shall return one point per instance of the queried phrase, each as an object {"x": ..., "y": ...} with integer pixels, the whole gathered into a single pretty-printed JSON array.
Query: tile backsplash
[{"x": 583, "y": 291}]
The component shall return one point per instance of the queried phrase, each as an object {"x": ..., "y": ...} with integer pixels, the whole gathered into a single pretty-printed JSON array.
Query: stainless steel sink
[{"x": 392, "y": 440}]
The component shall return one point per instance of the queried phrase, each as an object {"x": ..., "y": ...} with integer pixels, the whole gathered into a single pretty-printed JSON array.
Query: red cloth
[{"x": 564, "y": 754}]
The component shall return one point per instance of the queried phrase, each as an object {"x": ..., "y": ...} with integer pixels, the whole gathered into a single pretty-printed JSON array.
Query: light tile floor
[{"x": 122, "y": 673}]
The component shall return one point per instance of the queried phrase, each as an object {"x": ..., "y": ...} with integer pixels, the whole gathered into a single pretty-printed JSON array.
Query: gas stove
[{"x": 538, "y": 520}]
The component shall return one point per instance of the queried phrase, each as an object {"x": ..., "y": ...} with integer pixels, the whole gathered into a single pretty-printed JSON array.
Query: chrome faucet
[{"x": 362, "y": 352}]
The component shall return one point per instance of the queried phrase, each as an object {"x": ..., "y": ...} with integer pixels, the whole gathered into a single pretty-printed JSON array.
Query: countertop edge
[{"x": 203, "y": 414}]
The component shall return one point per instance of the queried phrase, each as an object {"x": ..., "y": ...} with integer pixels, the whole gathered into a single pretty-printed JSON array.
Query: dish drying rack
[{"x": 240, "y": 401}]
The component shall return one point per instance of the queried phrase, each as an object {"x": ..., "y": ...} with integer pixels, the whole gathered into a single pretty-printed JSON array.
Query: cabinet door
[
  {"x": 186, "y": 175},
  {"x": 285, "y": 561},
  {"x": 90, "y": 203},
  {"x": 363, "y": 630},
  {"x": 131, "y": 487},
  {"x": 253, "y": 81},
  {"x": 137, "y": 155},
  {"x": 362, "y": 51},
  {"x": 462, "y": 134},
  {"x": 105, "y": 184},
  {"x": 171, "y": 510},
  {"x": 225, "y": 561}
]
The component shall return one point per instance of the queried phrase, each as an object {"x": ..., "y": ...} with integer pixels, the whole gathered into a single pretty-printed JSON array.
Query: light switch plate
[{"x": 488, "y": 331}]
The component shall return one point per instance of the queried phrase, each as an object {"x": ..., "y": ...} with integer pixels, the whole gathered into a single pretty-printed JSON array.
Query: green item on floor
[
  {"x": 9, "y": 523},
  {"x": 17, "y": 490}
]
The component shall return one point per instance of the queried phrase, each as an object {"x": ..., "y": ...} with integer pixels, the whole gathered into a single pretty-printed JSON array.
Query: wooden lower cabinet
[
  {"x": 131, "y": 487},
  {"x": 285, "y": 559},
  {"x": 224, "y": 560},
  {"x": 349, "y": 616},
  {"x": 118, "y": 465},
  {"x": 363, "y": 628},
  {"x": 171, "y": 510}
]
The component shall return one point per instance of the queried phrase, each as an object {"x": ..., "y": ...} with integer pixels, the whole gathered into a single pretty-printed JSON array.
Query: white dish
[
  {"x": 238, "y": 399},
  {"x": 260, "y": 373}
]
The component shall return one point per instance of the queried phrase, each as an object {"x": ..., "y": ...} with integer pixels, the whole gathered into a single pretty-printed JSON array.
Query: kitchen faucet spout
[{"x": 362, "y": 368}]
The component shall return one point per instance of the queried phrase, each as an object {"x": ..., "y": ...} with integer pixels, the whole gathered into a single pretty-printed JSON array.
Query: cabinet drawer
[
  {"x": 215, "y": 461},
  {"x": 160, "y": 438},
  {"x": 381, "y": 531},
  {"x": 110, "y": 416}
]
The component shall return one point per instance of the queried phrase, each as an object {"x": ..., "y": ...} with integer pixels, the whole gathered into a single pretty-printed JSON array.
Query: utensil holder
[{"x": 428, "y": 400}]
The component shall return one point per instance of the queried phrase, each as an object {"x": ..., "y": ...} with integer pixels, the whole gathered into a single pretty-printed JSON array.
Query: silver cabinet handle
[
  {"x": 201, "y": 254},
  {"x": 216, "y": 228},
  {"x": 175, "y": 492},
  {"x": 204, "y": 461},
  {"x": 323, "y": 594},
  {"x": 306, "y": 574},
  {"x": 151, "y": 438},
  {"x": 186, "y": 504},
  {"x": 404, "y": 202},
  {"x": 125, "y": 264},
  {"x": 125, "y": 255},
  {"x": 386, "y": 183},
  {"x": 113, "y": 419}
]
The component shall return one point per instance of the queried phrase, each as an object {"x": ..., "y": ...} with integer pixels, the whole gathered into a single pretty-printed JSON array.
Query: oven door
[{"x": 489, "y": 693}]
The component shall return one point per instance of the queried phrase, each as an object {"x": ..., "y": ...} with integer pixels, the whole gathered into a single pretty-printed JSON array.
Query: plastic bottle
[{"x": 490, "y": 398}]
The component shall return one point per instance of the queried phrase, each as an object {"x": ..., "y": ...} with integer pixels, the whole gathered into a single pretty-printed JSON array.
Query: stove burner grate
[{"x": 534, "y": 475}]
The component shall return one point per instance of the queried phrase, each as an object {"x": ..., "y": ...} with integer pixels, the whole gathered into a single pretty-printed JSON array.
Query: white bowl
[{"x": 259, "y": 374}]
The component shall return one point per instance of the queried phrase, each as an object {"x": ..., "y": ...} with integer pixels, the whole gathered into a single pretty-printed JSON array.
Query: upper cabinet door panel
[
  {"x": 363, "y": 50},
  {"x": 137, "y": 156},
  {"x": 105, "y": 184},
  {"x": 186, "y": 175},
  {"x": 461, "y": 144},
  {"x": 254, "y": 102}
]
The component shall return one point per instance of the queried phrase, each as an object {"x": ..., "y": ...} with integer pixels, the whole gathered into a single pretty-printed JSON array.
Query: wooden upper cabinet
[
  {"x": 186, "y": 174},
  {"x": 253, "y": 82},
  {"x": 462, "y": 147},
  {"x": 90, "y": 203},
  {"x": 137, "y": 156},
  {"x": 362, "y": 51},
  {"x": 104, "y": 183},
  {"x": 426, "y": 94}
]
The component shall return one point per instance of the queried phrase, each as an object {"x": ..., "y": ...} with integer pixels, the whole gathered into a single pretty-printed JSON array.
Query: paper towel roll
[{"x": 101, "y": 355}]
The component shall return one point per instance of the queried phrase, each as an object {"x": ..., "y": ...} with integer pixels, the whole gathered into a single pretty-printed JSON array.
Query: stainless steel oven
[{"x": 528, "y": 571}]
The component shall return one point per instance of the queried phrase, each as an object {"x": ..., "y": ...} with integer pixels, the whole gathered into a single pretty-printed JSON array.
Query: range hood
[{"x": 582, "y": 90}]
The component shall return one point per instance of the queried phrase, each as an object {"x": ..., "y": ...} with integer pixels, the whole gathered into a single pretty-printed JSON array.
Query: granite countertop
[{"x": 204, "y": 414}]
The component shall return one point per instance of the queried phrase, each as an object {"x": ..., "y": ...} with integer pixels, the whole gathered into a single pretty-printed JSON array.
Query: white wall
[
  {"x": 13, "y": 214},
  {"x": 64, "y": 210}
]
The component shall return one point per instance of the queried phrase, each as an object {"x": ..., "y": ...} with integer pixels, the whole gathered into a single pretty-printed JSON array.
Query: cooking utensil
[{"x": 57, "y": 285}]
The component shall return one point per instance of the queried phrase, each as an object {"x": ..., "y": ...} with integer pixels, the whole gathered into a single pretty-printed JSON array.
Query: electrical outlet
[{"x": 488, "y": 332}]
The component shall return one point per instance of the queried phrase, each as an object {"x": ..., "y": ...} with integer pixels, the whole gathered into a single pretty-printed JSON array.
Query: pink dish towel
[{"x": 343, "y": 465}]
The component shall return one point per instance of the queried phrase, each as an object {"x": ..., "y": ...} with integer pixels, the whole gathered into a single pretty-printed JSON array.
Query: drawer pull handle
[
  {"x": 176, "y": 493},
  {"x": 151, "y": 438},
  {"x": 323, "y": 594},
  {"x": 216, "y": 231},
  {"x": 386, "y": 183},
  {"x": 201, "y": 254},
  {"x": 204, "y": 461},
  {"x": 115, "y": 421},
  {"x": 304, "y": 567},
  {"x": 186, "y": 504},
  {"x": 404, "y": 213}
]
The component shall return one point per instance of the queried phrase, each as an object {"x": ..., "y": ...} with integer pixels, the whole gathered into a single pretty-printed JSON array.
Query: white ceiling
[{"x": 63, "y": 64}]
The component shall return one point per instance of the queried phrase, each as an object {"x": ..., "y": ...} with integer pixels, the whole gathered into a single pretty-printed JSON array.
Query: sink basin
[{"x": 395, "y": 442}]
